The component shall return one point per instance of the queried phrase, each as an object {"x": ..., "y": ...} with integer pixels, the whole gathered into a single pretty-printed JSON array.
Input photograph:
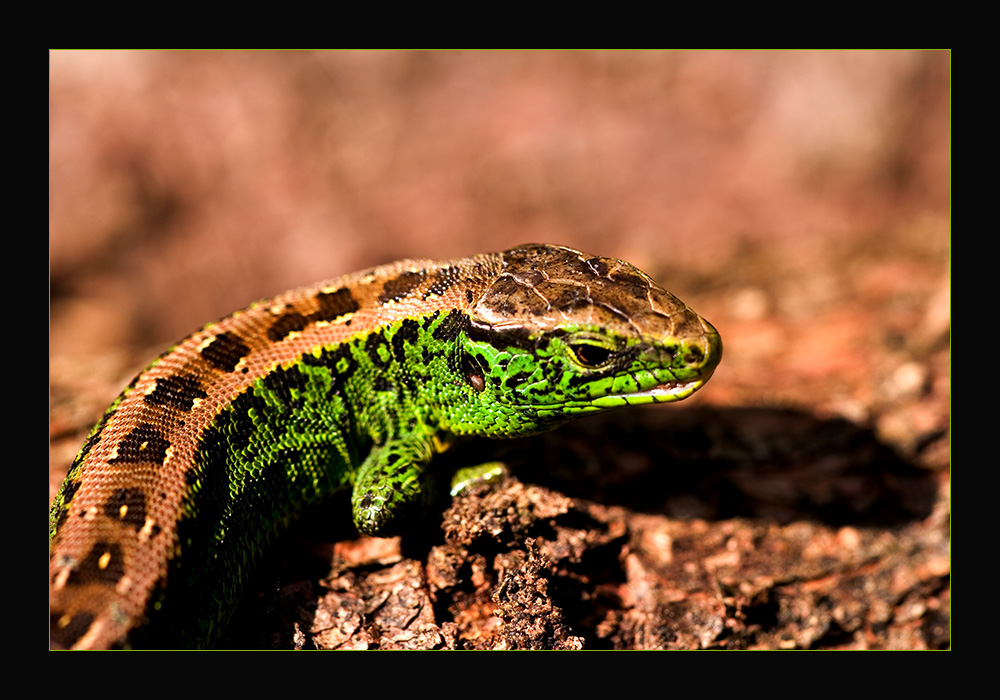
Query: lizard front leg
[{"x": 390, "y": 487}]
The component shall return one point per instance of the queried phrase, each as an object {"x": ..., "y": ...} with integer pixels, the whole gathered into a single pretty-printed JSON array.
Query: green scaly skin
[{"x": 355, "y": 383}]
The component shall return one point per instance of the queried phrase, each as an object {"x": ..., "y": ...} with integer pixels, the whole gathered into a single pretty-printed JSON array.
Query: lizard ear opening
[{"x": 473, "y": 371}]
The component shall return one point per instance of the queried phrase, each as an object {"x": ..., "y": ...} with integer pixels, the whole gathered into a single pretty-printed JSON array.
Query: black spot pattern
[
  {"x": 225, "y": 352},
  {"x": 177, "y": 392},
  {"x": 134, "y": 504},
  {"x": 103, "y": 564},
  {"x": 333, "y": 305},
  {"x": 145, "y": 444},
  {"x": 396, "y": 289},
  {"x": 66, "y": 635},
  {"x": 286, "y": 323}
]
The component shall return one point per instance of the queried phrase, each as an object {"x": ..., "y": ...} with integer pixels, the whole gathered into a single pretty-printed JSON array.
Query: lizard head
[{"x": 561, "y": 333}]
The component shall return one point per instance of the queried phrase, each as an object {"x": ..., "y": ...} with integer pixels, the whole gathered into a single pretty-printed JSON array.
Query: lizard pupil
[{"x": 591, "y": 355}]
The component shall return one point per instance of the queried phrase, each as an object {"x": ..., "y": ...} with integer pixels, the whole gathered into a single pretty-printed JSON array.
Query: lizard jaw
[{"x": 668, "y": 391}]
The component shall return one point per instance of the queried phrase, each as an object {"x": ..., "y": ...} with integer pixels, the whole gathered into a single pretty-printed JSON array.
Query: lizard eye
[{"x": 591, "y": 356}]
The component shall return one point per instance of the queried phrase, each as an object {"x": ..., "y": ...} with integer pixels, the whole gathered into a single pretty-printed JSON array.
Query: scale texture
[{"x": 353, "y": 383}]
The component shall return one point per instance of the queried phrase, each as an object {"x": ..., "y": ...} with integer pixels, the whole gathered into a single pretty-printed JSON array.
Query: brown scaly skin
[{"x": 353, "y": 383}]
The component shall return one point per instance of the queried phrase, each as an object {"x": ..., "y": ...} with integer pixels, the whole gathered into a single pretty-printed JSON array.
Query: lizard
[{"x": 354, "y": 383}]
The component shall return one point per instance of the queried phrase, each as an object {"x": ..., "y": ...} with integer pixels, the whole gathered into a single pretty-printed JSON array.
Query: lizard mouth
[
  {"x": 674, "y": 390},
  {"x": 661, "y": 393},
  {"x": 669, "y": 391}
]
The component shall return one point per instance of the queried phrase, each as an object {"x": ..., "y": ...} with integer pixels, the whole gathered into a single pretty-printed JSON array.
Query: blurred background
[
  {"x": 799, "y": 200},
  {"x": 185, "y": 184}
]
